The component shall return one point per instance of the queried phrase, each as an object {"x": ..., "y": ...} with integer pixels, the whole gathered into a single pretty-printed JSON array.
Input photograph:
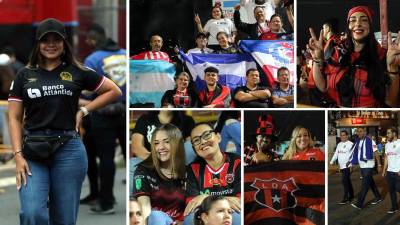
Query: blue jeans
[{"x": 51, "y": 195}]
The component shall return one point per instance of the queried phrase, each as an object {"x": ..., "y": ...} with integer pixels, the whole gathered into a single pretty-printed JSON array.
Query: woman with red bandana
[
  {"x": 301, "y": 146},
  {"x": 360, "y": 73}
]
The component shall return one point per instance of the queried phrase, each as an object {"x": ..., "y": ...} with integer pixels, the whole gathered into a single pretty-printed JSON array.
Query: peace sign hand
[
  {"x": 197, "y": 19},
  {"x": 315, "y": 46},
  {"x": 393, "y": 53}
]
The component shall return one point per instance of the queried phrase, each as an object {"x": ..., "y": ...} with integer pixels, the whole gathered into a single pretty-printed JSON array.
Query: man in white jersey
[
  {"x": 343, "y": 153},
  {"x": 391, "y": 167},
  {"x": 364, "y": 153}
]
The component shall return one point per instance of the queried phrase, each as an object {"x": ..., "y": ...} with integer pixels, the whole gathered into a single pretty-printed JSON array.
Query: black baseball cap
[
  {"x": 259, "y": 2},
  {"x": 50, "y": 26},
  {"x": 201, "y": 34}
]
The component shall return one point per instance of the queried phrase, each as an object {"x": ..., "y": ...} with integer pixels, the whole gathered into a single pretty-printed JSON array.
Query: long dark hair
[
  {"x": 67, "y": 56},
  {"x": 369, "y": 60}
]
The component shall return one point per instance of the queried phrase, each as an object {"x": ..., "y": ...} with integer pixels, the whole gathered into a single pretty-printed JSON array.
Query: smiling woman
[
  {"x": 183, "y": 96},
  {"x": 358, "y": 72},
  {"x": 213, "y": 173},
  {"x": 159, "y": 179},
  {"x": 301, "y": 146},
  {"x": 44, "y": 112}
]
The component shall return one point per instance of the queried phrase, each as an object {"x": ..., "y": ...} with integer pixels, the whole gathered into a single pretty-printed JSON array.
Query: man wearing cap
[
  {"x": 282, "y": 94},
  {"x": 107, "y": 124},
  {"x": 252, "y": 95},
  {"x": 156, "y": 43},
  {"x": 214, "y": 95},
  {"x": 201, "y": 45}
]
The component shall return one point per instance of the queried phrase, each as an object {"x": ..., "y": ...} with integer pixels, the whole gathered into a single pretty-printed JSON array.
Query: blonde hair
[
  {"x": 177, "y": 152},
  {"x": 292, "y": 150}
]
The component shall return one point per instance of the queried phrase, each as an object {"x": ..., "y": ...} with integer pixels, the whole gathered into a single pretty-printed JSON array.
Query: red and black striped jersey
[
  {"x": 165, "y": 195},
  {"x": 285, "y": 192},
  {"x": 203, "y": 179}
]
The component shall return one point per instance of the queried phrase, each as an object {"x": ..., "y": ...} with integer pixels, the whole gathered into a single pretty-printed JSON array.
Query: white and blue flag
[
  {"x": 149, "y": 79},
  {"x": 232, "y": 68}
]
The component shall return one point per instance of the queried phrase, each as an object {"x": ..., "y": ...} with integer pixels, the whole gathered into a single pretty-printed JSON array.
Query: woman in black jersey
[
  {"x": 159, "y": 179},
  {"x": 44, "y": 119}
]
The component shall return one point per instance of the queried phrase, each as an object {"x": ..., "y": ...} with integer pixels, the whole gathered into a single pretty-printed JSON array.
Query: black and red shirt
[
  {"x": 275, "y": 36},
  {"x": 165, "y": 195},
  {"x": 203, "y": 179},
  {"x": 220, "y": 97},
  {"x": 50, "y": 98},
  {"x": 363, "y": 96},
  {"x": 178, "y": 99}
]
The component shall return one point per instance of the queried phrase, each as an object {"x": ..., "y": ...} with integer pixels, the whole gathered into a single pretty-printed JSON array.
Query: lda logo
[
  {"x": 34, "y": 93},
  {"x": 275, "y": 194}
]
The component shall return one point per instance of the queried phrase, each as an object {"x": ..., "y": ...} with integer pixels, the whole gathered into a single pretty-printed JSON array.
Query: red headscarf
[{"x": 364, "y": 9}]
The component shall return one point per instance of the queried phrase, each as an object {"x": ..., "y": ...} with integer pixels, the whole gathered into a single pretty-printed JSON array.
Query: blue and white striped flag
[
  {"x": 232, "y": 67},
  {"x": 149, "y": 79}
]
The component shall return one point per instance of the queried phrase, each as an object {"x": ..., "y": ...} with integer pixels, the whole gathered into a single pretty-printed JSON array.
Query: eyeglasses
[{"x": 206, "y": 135}]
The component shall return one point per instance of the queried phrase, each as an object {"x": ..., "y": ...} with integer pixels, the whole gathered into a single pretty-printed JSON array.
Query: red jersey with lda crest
[
  {"x": 203, "y": 179},
  {"x": 310, "y": 154}
]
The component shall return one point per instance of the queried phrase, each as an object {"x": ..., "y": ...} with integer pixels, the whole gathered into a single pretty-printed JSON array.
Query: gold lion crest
[{"x": 66, "y": 76}]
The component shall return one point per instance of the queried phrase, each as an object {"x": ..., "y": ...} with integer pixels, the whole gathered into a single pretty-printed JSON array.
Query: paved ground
[
  {"x": 9, "y": 203},
  {"x": 347, "y": 215}
]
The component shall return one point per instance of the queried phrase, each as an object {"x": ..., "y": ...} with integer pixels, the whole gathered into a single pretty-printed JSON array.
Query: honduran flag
[
  {"x": 232, "y": 68},
  {"x": 149, "y": 79},
  {"x": 271, "y": 55}
]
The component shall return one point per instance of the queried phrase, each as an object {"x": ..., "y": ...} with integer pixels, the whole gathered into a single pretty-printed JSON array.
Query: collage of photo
[{"x": 199, "y": 112}]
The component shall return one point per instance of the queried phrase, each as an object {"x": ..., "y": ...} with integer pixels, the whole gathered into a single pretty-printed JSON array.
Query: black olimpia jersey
[
  {"x": 50, "y": 98},
  {"x": 202, "y": 179}
]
